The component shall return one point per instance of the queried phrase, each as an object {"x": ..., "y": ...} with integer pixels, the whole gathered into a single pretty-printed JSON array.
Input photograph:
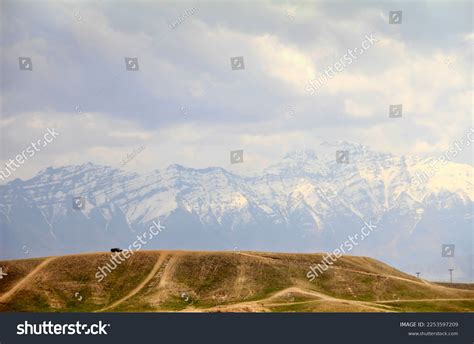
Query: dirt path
[
  {"x": 262, "y": 304},
  {"x": 169, "y": 268},
  {"x": 388, "y": 276},
  {"x": 424, "y": 300},
  {"x": 142, "y": 284},
  {"x": 369, "y": 304},
  {"x": 256, "y": 256},
  {"x": 324, "y": 297},
  {"x": 25, "y": 280},
  {"x": 300, "y": 291}
]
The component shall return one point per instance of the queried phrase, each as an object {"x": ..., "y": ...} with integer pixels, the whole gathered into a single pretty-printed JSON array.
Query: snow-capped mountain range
[{"x": 307, "y": 202}]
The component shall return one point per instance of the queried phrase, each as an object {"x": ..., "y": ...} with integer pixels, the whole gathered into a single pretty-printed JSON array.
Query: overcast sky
[{"x": 186, "y": 105}]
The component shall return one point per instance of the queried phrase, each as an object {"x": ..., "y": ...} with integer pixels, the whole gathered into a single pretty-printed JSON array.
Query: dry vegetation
[{"x": 169, "y": 281}]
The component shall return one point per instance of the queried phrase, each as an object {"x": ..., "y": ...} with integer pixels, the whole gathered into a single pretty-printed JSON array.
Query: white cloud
[
  {"x": 357, "y": 109},
  {"x": 81, "y": 63},
  {"x": 283, "y": 62},
  {"x": 136, "y": 135}
]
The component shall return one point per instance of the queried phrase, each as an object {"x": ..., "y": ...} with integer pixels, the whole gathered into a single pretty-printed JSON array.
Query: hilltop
[{"x": 163, "y": 281}]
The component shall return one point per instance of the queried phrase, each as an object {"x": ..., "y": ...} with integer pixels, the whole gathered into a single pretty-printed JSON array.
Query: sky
[{"x": 185, "y": 103}]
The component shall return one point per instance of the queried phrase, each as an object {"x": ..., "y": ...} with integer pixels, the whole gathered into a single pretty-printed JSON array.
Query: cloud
[
  {"x": 357, "y": 109},
  {"x": 136, "y": 135},
  {"x": 282, "y": 62},
  {"x": 187, "y": 105}
]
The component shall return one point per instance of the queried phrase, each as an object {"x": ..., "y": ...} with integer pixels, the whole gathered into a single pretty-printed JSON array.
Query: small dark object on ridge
[{"x": 116, "y": 250}]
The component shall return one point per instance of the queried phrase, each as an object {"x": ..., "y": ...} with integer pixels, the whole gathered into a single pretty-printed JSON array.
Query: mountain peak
[
  {"x": 301, "y": 155},
  {"x": 72, "y": 168},
  {"x": 344, "y": 144}
]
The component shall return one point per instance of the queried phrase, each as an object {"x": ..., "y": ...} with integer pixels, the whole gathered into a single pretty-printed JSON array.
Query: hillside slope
[{"x": 219, "y": 281}]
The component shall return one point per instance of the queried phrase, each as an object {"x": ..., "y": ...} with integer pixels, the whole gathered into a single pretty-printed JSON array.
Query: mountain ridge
[{"x": 306, "y": 202}]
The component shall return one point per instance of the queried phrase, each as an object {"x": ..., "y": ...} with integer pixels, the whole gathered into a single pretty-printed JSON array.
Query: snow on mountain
[{"x": 306, "y": 202}]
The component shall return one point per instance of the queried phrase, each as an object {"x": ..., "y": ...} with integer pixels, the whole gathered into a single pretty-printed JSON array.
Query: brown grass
[{"x": 223, "y": 282}]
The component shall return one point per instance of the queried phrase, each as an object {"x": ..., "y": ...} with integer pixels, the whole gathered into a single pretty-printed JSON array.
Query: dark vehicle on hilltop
[{"x": 116, "y": 249}]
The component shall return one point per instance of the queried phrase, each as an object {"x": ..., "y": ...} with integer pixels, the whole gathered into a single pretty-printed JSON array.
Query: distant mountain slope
[
  {"x": 307, "y": 202},
  {"x": 219, "y": 282}
]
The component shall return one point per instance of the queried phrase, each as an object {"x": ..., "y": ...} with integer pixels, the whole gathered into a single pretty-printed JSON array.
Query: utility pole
[
  {"x": 451, "y": 275},
  {"x": 418, "y": 274}
]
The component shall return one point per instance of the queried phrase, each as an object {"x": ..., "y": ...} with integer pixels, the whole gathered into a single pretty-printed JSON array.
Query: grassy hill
[{"x": 153, "y": 281}]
